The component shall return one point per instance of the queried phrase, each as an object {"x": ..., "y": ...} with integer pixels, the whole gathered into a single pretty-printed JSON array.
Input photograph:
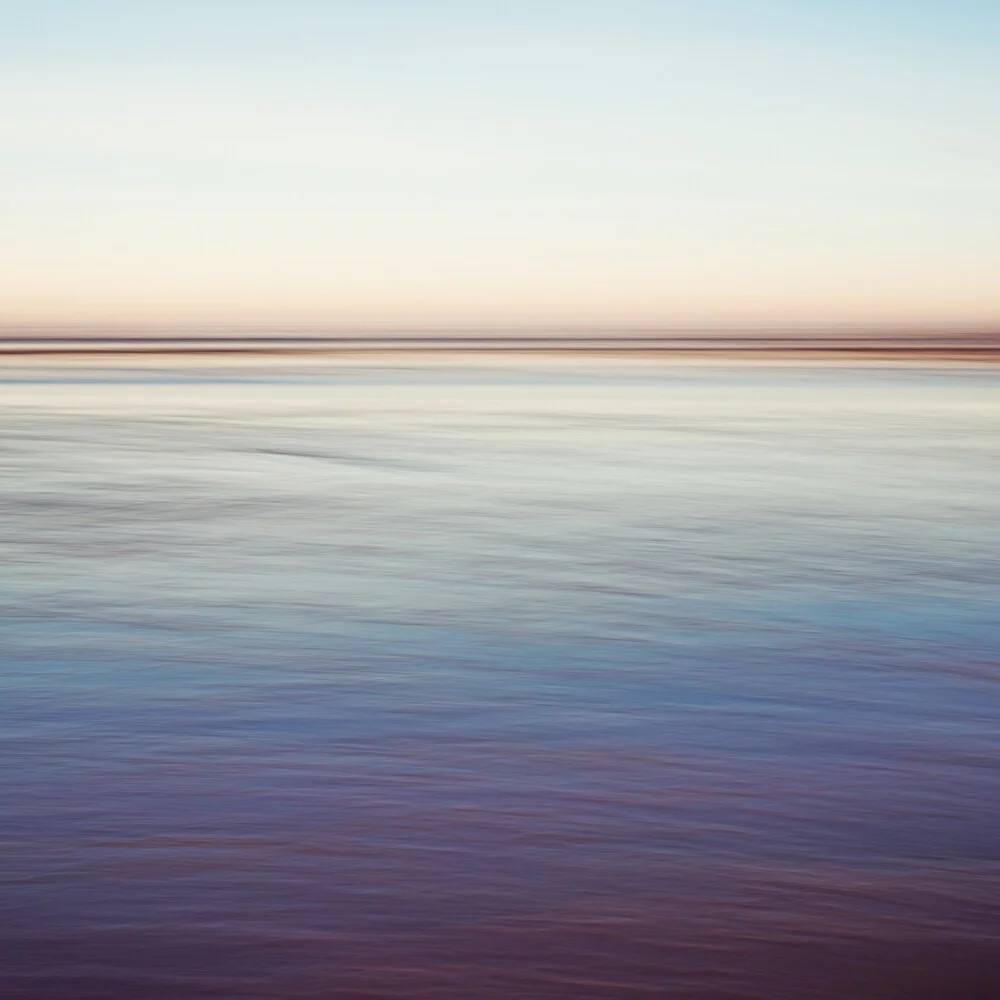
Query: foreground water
[{"x": 514, "y": 681}]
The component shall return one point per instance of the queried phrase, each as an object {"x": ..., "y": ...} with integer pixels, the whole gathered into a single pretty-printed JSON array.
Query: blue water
[{"x": 522, "y": 680}]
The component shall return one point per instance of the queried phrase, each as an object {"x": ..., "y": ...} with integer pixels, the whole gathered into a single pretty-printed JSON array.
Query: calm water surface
[{"x": 514, "y": 681}]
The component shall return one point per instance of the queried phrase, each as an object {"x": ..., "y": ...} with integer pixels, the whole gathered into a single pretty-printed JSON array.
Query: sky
[{"x": 500, "y": 162}]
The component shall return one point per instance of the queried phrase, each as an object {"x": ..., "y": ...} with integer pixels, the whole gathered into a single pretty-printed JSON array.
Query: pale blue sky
[{"x": 460, "y": 161}]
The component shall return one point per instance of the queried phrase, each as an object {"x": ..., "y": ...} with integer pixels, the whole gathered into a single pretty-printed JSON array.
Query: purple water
[{"x": 515, "y": 681}]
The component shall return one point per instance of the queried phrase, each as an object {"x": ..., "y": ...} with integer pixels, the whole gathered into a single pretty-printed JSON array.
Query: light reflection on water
[{"x": 502, "y": 682}]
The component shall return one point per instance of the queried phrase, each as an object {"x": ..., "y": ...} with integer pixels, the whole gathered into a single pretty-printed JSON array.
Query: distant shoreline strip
[
  {"x": 980, "y": 347},
  {"x": 175, "y": 350}
]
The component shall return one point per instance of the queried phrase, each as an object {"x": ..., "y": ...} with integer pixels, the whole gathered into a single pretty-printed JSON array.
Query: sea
[{"x": 500, "y": 678}]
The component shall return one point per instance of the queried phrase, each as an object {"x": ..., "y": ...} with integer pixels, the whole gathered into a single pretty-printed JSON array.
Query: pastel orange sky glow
[{"x": 434, "y": 162}]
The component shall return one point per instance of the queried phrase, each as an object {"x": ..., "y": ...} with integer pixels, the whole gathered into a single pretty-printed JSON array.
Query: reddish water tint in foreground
[{"x": 502, "y": 683}]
